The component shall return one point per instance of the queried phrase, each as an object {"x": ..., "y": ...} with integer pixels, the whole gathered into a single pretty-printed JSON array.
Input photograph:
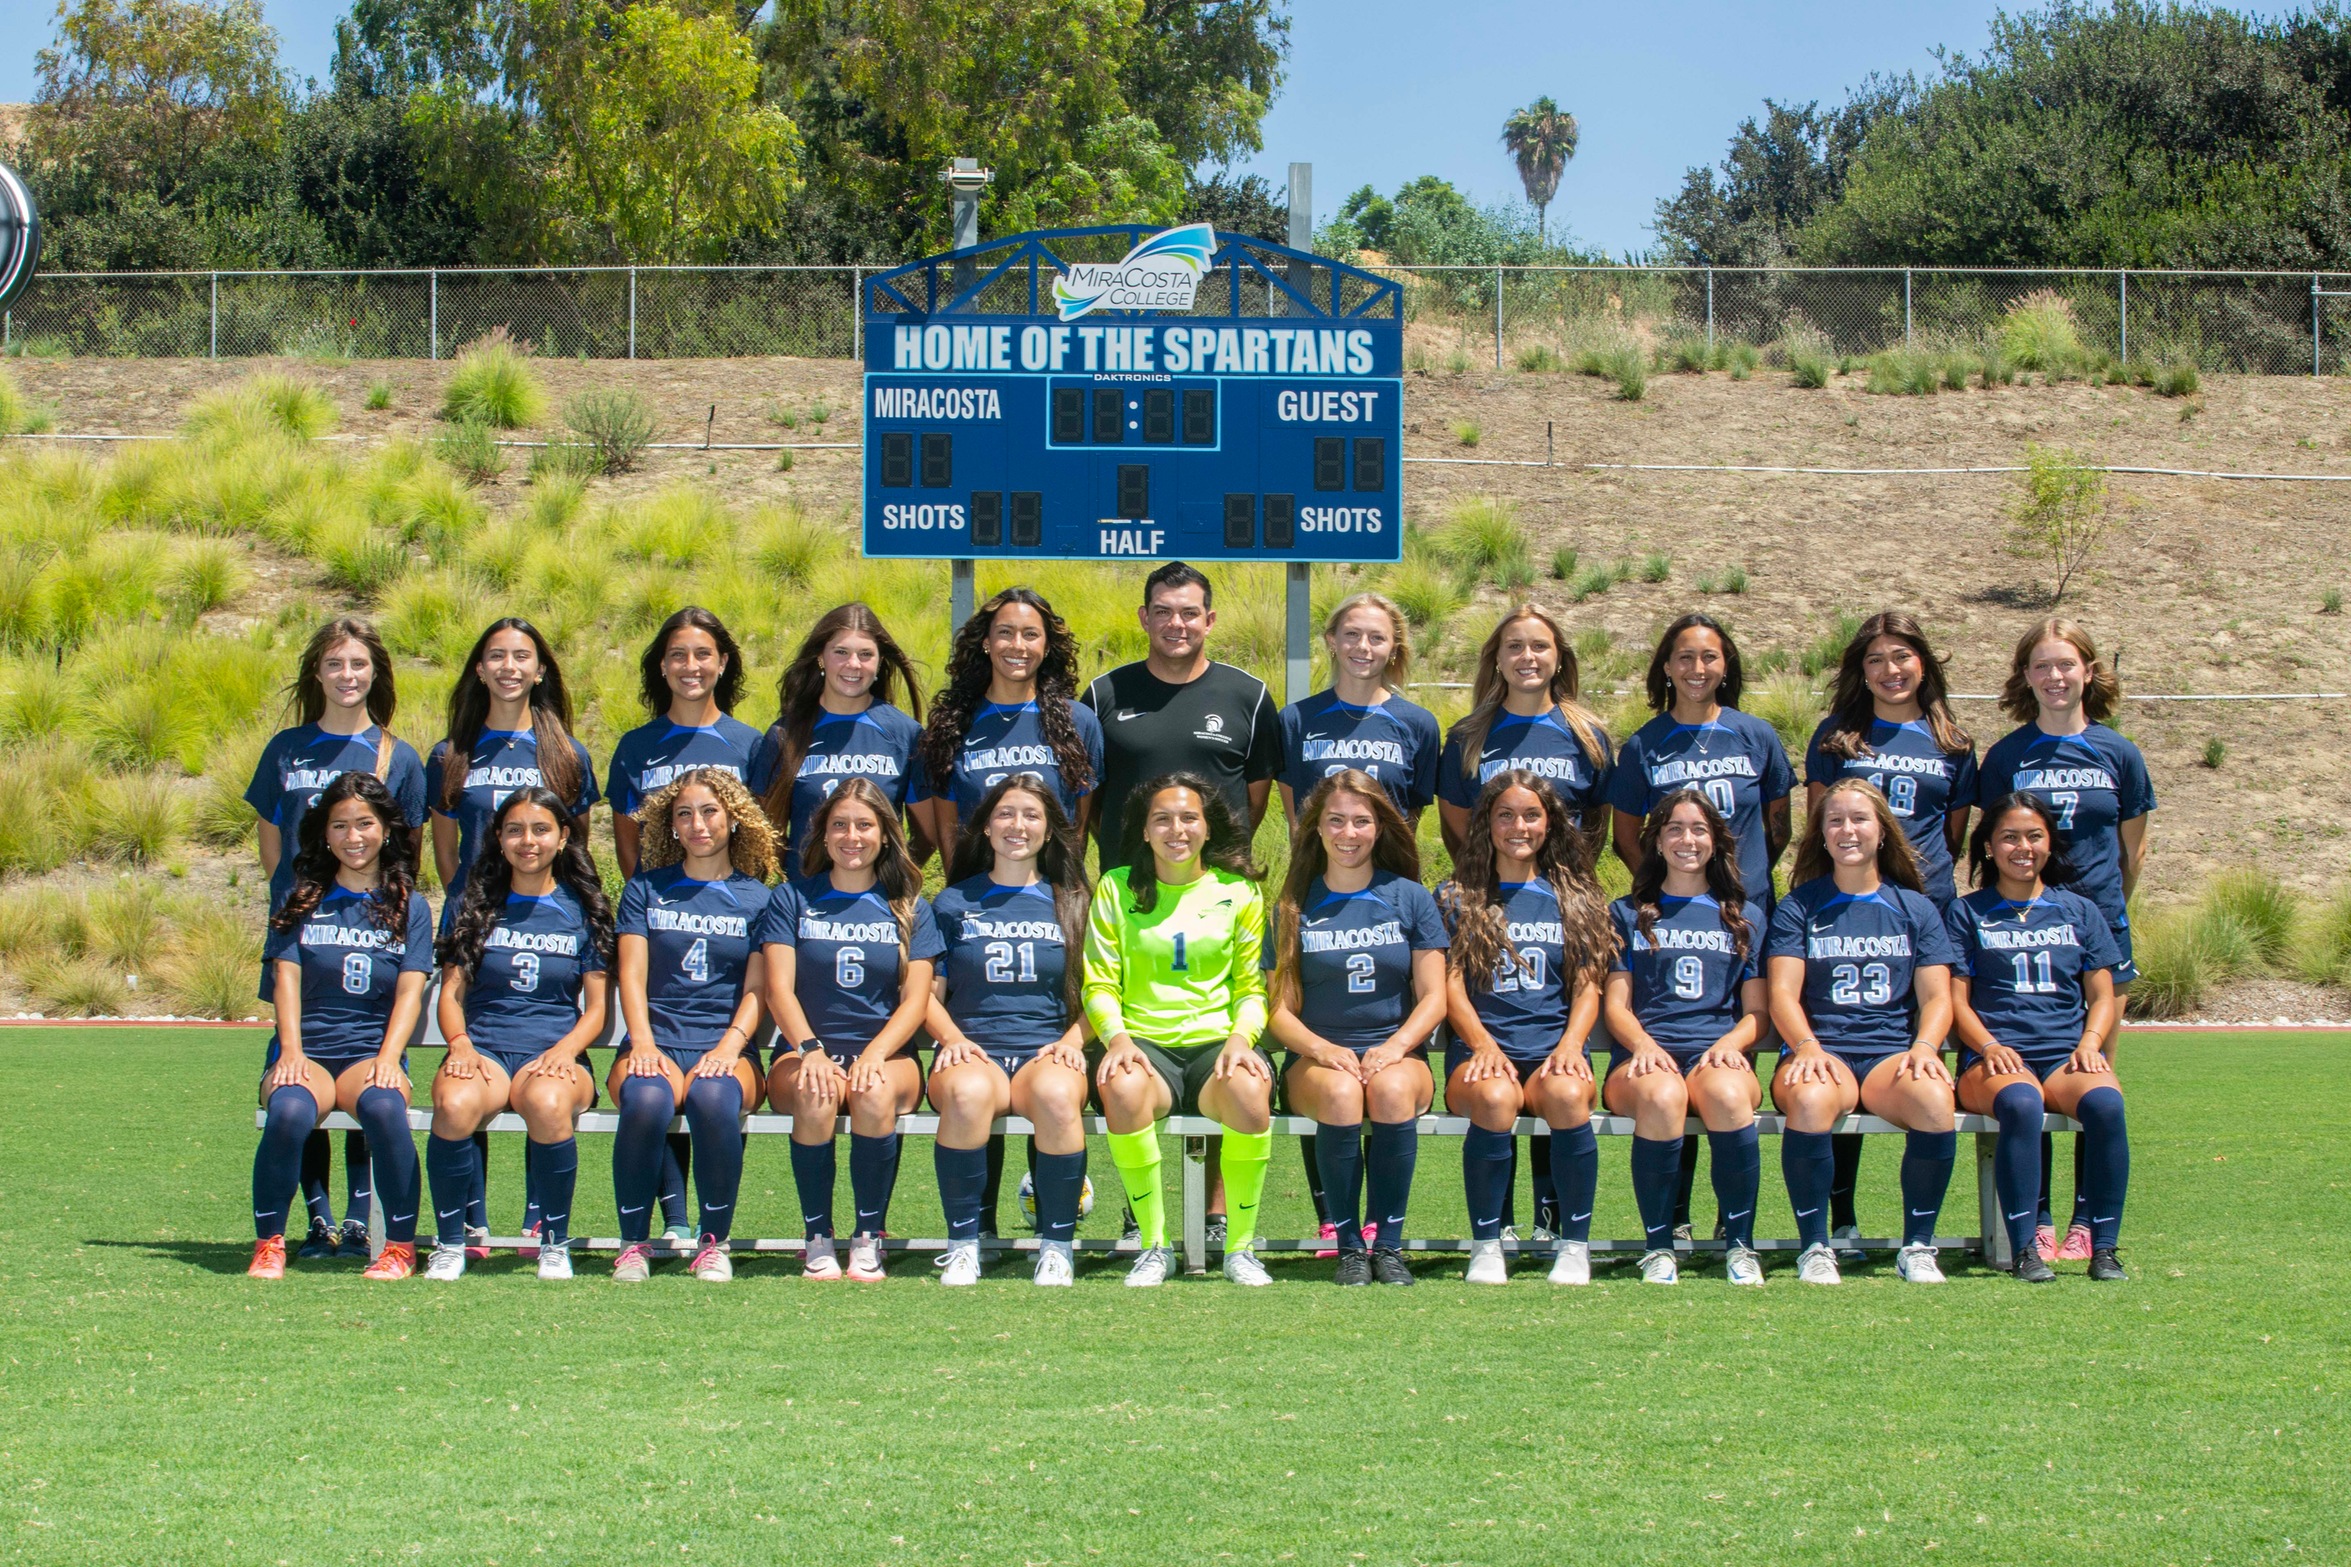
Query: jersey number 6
[{"x": 849, "y": 967}]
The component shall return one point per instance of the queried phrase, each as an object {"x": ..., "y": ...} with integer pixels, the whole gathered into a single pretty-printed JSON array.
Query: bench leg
[
  {"x": 375, "y": 1211},
  {"x": 1992, "y": 1228},
  {"x": 1195, "y": 1205}
]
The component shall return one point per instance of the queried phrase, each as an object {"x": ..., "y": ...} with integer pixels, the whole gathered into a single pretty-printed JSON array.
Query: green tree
[
  {"x": 1204, "y": 74},
  {"x": 1542, "y": 138},
  {"x": 1776, "y": 177}
]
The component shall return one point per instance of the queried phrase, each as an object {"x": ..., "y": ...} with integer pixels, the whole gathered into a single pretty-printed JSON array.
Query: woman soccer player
[
  {"x": 690, "y": 986},
  {"x": 850, "y": 950},
  {"x": 1531, "y": 943},
  {"x": 1009, "y": 706},
  {"x": 1685, "y": 1007},
  {"x": 2032, "y": 997},
  {"x": 1174, "y": 993},
  {"x": 1890, "y": 722},
  {"x": 1357, "y": 953},
  {"x": 2061, "y": 694},
  {"x": 349, "y": 950},
  {"x": 838, "y": 719},
  {"x": 345, "y": 696},
  {"x": 1007, "y": 1018},
  {"x": 523, "y": 993},
  {"x": 1860, "y": 973}
]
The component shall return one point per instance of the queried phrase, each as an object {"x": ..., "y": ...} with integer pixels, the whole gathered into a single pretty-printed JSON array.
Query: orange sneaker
[
  {"x": 2077, "y": 1245},
  {"x": 396, "y": 1261},
  {"x": 269, "y": 1258}
]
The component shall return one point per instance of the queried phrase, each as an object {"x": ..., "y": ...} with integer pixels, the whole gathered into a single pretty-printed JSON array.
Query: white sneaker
[
  {"x": 1544, "y": 1236},
  {"x": 555, "y": 1261},
  {"x": 1242, "y": 1267},
  {"x": 1150, "y": 1269},
  {"x": 1818, "y": 1265},
  {"x": 1573, "y": 1263},
  {"x": 711, "y": 1264},
  {"x": 1918, "y": 1265},
  {"x": 1487, "y": 1264},
  {"x": 447, "y": 1262},
  {"x": 1658, "y": 1267},
  {"x": 1054, "y": 1265},
  {"x": 1846, "y": 1238},
  {"x": 820, "y": 1261},
  {"x": 680, "y": 1236},
  {"x": 1742, "y": 1266},
  {"x": 865, "y": 1259},
  {"x": 963, "y": 1263}
]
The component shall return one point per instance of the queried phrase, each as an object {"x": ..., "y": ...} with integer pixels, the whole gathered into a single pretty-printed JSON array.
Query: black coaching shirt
[{"x": 1223, "y": 726}]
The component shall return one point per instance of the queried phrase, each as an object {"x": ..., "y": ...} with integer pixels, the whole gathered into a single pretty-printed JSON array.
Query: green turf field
[{"x": 159, "y": 1407}]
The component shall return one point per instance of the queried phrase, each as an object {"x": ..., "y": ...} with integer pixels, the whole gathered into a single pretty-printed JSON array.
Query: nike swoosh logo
[
  {"x": 398, "y": 1218},
  {"x": 1577, "y": 1218},
  {"x": 1819, "y": 930},
  {"x": 1141, "y": 1197},
  {"x": 2020, "y": 1213},
  {"x": 448, "y": 1213},
  {"x": 1920, "y": 1213},
  {"x": 1806, "y": 1213},
  {"x": 640, "y": 1208},
  {"x": 1122, "y": 717},
  {"x": 1741, "y": 1214}
]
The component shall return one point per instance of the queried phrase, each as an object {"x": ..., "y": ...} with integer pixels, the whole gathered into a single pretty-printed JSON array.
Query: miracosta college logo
[{"x": 1161, "y": 273}]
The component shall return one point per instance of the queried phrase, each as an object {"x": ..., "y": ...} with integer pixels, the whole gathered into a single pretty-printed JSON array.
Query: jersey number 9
[{"x": 1689, "y": 978}]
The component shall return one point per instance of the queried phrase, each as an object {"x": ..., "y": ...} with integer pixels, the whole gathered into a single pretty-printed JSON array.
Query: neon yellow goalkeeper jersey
[{"x": 1186, "y": 973}]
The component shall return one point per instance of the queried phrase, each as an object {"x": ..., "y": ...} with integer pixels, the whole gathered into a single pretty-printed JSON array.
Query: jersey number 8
[{"x": 358, "y": 969}]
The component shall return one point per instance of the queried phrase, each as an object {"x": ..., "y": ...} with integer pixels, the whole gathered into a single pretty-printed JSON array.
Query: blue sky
[{"x": 1382, "y": 90}]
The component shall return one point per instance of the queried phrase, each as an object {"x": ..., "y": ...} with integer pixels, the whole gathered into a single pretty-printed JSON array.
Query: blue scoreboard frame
[{"x": 1255, "y": 415}]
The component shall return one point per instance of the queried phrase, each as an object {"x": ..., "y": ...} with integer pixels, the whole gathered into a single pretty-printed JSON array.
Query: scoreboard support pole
[
  {"x": 1298, "y": 632},
  {"x": 962, "y": 596}
]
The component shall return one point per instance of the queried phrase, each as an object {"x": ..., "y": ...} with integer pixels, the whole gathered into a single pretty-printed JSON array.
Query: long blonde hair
[
  {"x": 1399, "y": 661},
  {"x": 2101, "y": 695},
  {"x": 1896, "y": 862},
  {"x": 1488, "y": 689}
]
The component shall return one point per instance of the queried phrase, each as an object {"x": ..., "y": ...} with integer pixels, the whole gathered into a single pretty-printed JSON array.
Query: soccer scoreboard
[{"x": 1113, "y": 418}]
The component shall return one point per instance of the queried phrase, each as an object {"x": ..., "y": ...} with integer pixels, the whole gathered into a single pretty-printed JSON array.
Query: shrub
[
  {"x": 359, "y": 559},
  {"x": 2215, "y": 752},
  {"x": 2038, "y": 333},
  {"x": 1591, "y": 582},
  {"x": 144, "y": 723},
  {"x": 555, "y": 499},
  {"x": 1425, "y": 593},
  {"x": 2322, "y": 955},
  {"x": 1563, "y": 561},
  {"x": 1821, "y": 655},
  {"x": 1480, "y": 534},
  {"x": 1787, "y": 701},
  {"x": 493, "y": 384},
  {"x": 203, "y": 576},
  {"x": 433, "y": 614},
  {"x": 1742, "y": 360},
  {"x": 1457, "y": 362},
  {"x": 562, "y": 461},
  {"x": 262, "y": 404},
  {"x": 1631, "y": 375},
  {"x": 30, "y": 837},
  {"x": 2176, "y": 379},
  {"x": 12, "y": 405},
  {"x": 471, "y": 451},
  {"x": 2331, "y": 602},
  {"x": 2061, "y": 515},
  {"x": 1540, "y": 359},
  {"x": 1688, "y": 354},
  {"x": 497, "y": 554},
  {"x": 2260, "y": 906},
  {"x": 1655, "y": 567},
  {"x": 379, "y": 396},
  {"x": 76, "y": 987},
  {"x": 128, "y": 921},
  {"x": 787, "y": 546},
  {"x": 220, "y": 817},
  {"x": 617, "y": 423},
  {"x": 29, "y": 919},
  {"x": 209, "y": 972},
  {"x": 1466, "y": 432},
  {"x": 133, "y": 817}
]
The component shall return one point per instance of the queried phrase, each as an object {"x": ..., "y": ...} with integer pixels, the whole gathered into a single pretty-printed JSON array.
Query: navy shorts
[
  {"x": 2128, "y": 969},
  {"x": 1457, "y": 1053},
  {"x": 2041, "y": 1064},
  {"x": 1683, "y": 1060},
  {"x": 1009, "y": 1062},
  {"x": 333, "y": 1066},
  {"x": 843, "y": 1056},
  {"x": 1863, "y": 1062}
]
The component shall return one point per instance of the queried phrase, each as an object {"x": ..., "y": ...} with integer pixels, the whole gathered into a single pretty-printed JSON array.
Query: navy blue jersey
[
  {"x": 2094, "y": 781},
  {"x": 846, "y": 971},
  {"x": 295, "y": 769},
  {"x": 1007, "y": 961},
  {"x": 877, "y": 745},
  {"x": 1738, "y": 760},
  {"x": 2025, "y": 963},
  {"x": 1543, "y": 745},
  {"x": 1526, "y": 1007},
  {"x": 526, "y": 995},
  {"x": 652, "y": 756},
  {"x": 1920, "y": 780},
  {"x": 350, "y": 968},
  {"x": 502, "y": 761},
  {"x": 1687, "y": 972},
  {"x": 699, "y": 937},
  {"x": 1355, "y": 954},
  {"x": 1859, "y": 958},
  {"x": 1007, "y": 738},
  {"x": 1396, "y": 742}
]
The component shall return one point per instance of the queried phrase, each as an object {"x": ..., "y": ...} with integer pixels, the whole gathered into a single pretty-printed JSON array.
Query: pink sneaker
[
  {"x": 1371, "y": 1236},
  {"x": 2077, "y": 1245},
  {"x": 528, "y": 1251},
  {"x": 2045, "y": 1242},
  {"x": 1329, "y": 1235},
  {"x": 821, "y": 1261}
]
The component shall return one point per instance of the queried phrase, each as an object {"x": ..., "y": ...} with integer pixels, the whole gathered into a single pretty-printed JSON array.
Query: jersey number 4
[{"x": 696, "y": 963}]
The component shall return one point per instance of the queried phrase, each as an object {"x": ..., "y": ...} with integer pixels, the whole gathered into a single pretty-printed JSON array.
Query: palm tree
[{"x": 1542, "y": 137}]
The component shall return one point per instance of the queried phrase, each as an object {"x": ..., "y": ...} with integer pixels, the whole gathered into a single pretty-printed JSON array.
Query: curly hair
[
  {"x": 1481, "y": 937},
  {"x": 1723, "y": 881},
  {"x": 1227, "y": 848},
  {"x": 2058, "y": 871},
  {"x": 315, "y": 865},
  {"x": 800, "y": 691},
  {"x": 308, "y": 694},
  {"x": 492, "y": 878},
  {"x": 751, "y": 844},
  {"x": 1061, "y": 863},
  {"x": 2100, "y": 697},
  {"x": 1897, "y": 863},
  {"x": 550, "y": 707},
  {"x": 1659, "y": 684},
  {"x": 1854, "y": 705},
  {"x": 894, "y": 869},
  {"x": 969, "y": 669},
  {"x": 653, "y": 686},
  {"x": 1489, "y": 689},
  {"x": 1395, "y": 851}
]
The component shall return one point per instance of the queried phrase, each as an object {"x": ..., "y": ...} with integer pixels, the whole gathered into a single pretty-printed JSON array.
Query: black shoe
[
  {"x": 1354, "y": 1268},
  {"x": 319, "y": 1243},
  {"x": 2030, "y": 1269},
  {"x": 1387, "y": 1266},
  {"x": 2106, "y": 1267},
  {"x": 1216, "y": 1229},
  {"x": 351, "y": 1240}
]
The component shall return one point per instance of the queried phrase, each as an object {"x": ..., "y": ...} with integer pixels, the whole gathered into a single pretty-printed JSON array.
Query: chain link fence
[{"x": 2223, "y": 322}]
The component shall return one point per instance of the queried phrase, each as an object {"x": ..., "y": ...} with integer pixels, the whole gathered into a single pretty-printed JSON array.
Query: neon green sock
[
  {"x": 1137, "y": 1156},
  {"x": 1243, "y": 1164}
]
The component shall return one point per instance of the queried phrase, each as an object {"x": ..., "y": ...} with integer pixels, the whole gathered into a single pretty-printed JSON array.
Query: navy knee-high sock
[
  {"x": 317, "y": 1157},
  {"x": 2048, "y": 1161},
  {"x": 1847, "y": 1148},
  {"x": 646, "y": 1109},
  {"x": 1808, "y": 1164},
  {"x": 2016, "y": 1173},
  {"x": 358, "y": 1177},
  {"x": 393, "y": 1151},
  {"x": 1310, "y": 1154},
  {"x": 814, "y": 1167},
  {"x": 1338, "y": 1157},
  {"x": 2081, "y": 1195},
  {"x": 2106, "y": 1163},
  {"x": 1485, "y": 1177},
  {"x": 477, "y": 1201},
  {"x": 714, "y": 1108},
  {"x": 559, "y": 1181},
  {"x": 963, "y": 1181},
  {"x": 1738, "y": 1176},
  {"x": 677, "y": 1152},
  {"x": 992, "y": 1183},
  {"x": 449, "y": 1167},
  {"x": 1575, "y": 1177},
  {"x": 1926, "y": 1176},
  {"x": 1685, "y": 1180},
  {"x": 1543, "y": 1180},
  {"x": 277, "y": 1163},
  {"x": 873, "y": 1172},
  {"x": 1395, "y": 1149},
  {"x": 1510, "y": 1188},
  {"x": 1657, "y": 1167},
  {"x": 1061, "y": 1184}
]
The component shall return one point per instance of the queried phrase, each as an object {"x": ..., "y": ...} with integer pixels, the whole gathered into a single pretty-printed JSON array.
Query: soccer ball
[{"x": 1028, "y": 1199}]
